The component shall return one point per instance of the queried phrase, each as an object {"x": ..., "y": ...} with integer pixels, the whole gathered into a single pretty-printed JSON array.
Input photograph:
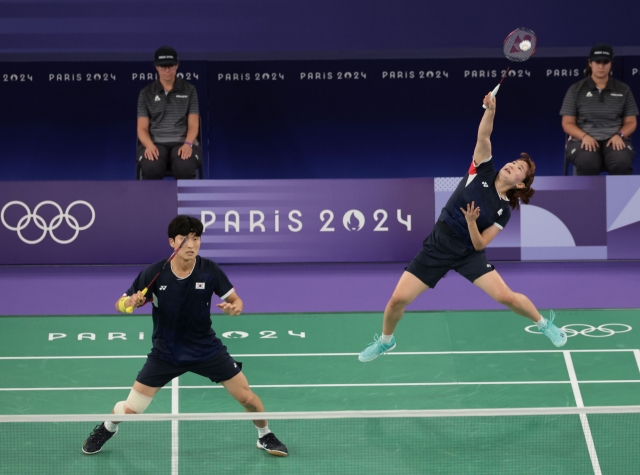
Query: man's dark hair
[{"x": 184, "y": 225}]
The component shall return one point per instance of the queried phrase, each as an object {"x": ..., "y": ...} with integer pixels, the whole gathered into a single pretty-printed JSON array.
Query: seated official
[
  {"x": 168, "y": 123},
  {"x": 599, "y": 115}
]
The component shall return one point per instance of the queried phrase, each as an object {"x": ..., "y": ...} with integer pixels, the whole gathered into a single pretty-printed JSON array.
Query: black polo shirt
[
  {"x": 182, "y": 332},
  {"x": 479, "y": 186},
  {"x": 599, "y": 113},
  {"x": 167, "y": 112}
]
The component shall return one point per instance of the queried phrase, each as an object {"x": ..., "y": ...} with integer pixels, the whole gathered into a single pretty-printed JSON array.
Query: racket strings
[{"x": 511, "y": 45}]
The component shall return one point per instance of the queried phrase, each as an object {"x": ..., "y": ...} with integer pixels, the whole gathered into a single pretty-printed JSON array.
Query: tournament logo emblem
[
  {"x": 55, "y": 223},
  {"x": 347, "y": 220}
]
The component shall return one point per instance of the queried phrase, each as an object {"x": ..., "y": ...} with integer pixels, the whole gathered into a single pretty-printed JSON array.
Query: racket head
[{"x": 511, "y": 45}]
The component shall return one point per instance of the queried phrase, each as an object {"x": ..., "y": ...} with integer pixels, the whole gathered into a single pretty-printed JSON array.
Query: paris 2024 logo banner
[
  {"x": 61, "y": 222},
  {"x": 374, "y": 220}
]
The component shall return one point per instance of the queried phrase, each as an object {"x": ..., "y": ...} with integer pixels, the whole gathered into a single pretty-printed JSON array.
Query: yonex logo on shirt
[
  {"x": 500, "y": 212},
  {"x": 199, "y": 285},
  {"x": 163, "y": 287}
]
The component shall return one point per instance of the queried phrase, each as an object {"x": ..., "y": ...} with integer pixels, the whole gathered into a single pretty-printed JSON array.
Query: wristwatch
[{"x": 619, "y": 132}]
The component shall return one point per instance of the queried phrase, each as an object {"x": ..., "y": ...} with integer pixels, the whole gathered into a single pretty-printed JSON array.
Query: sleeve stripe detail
[
  {"x": 498, "y": 226},
  {"x": 227, "y": 294},
  {"x": 473, "y": 167}
]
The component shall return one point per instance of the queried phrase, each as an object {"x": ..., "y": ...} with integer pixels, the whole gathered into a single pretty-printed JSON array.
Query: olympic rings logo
[
  {"x": 602, "y": 331},
  {"x": 42, "y": 224}
]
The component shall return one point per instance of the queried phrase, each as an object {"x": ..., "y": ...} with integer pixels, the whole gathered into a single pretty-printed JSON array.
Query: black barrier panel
[
  {"x": 291, "y": 119},
  {"x": 631, "y": 74},
  {"x": 77, "y": 120},
  {"x": 382, "y": 118}
]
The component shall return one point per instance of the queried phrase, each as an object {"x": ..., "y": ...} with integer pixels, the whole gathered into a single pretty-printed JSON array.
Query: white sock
[
  {"x": 386, "y": 338},
  {"x": 540, "y": 323},
  {"x": 262, "y": 431},
  {"x": 110, "y": 426}
]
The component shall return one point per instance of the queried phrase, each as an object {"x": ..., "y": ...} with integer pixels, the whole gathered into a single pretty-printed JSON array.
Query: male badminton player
[
  {"x": 183, "y": 340},
  {"x": 476, "y": 212}
]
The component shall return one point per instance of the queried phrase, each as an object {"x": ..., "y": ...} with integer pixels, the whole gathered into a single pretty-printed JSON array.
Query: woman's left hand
[
  {"x": 616, "y": 143},
  {"x": 471, "y": 213}
]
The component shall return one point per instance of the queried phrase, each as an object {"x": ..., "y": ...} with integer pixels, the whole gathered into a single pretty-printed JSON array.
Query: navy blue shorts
[
  {"x": 220, "y": 367},
  {"x": 443, "y": 251}
]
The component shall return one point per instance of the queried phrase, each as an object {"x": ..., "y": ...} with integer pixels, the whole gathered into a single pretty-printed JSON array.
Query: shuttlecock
[{"x": 525, "y": 45}]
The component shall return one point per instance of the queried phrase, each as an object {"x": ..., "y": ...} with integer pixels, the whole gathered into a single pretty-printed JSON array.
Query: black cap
[
  {"x": 601, "y": 52},
  {"x": 165, "y": 56}
]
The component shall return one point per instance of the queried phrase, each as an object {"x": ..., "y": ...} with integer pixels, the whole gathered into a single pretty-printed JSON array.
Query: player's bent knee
[
  {"x": 506, "y": 298},
  {"x": 136, "y": 402},
  {"x": 399, "y": 301},
  {"x": 248, "y": 399}
]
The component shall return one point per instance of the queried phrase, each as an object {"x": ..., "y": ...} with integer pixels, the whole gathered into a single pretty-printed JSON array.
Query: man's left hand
[
  {"x": 616, "y": 143},
  {"x": 184, "y": 152},
  {"x": 229, "y": 309}
]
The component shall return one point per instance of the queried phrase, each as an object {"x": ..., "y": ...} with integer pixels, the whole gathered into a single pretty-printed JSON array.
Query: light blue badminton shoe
[
  {"x": 377, "y": 348},
  {"x": 557, "y": 336}
]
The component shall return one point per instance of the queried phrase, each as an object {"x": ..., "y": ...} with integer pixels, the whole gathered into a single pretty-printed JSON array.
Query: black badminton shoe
[
  {"x": 97, "y": 439},
  {"x": 272, "y": 445}
]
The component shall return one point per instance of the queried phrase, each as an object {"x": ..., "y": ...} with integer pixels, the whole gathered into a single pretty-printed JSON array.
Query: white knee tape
[
  {"x": 137, "y": 402},
  {"x": 119, "y": 409}
]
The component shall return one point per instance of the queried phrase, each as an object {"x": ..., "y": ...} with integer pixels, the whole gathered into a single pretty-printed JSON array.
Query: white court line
[
  {"x": 266, "y": 355},
  {"x": 175, "y": 409},
  {"x": 636, "y": 353},
  {"x": 175, "y": 387},
  {"x": 583, "y": 417}
]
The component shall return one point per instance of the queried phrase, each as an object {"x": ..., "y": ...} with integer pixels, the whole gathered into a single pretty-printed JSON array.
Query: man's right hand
[
  {"x": 151, "y": 152},
  {"x": 137, "y": 299},
  {"x": 589, "y": 143}
]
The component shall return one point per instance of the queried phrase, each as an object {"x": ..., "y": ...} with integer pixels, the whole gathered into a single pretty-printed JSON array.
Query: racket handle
[
  {"x": 493, "y": 94},
  {"x": 130, "y": 309}
]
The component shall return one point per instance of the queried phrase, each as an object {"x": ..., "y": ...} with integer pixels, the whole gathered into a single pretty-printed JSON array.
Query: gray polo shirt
[
  {"x": 168, "y": 113},
  {"x": 599, "y": 113}
]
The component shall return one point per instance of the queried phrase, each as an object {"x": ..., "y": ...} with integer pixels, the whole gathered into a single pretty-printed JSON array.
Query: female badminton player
[
  {"x": 477, "y": 211},
  {"x": 183, "y": 340}
]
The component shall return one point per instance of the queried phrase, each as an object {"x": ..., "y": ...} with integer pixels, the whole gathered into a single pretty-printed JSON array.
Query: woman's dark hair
[
  {"x": 183, "y": 225},
  {"x": 517, "y": 195}
]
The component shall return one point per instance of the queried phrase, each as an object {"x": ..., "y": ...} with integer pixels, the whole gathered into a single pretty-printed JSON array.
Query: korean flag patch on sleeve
[{"x": 199, "y": 285}]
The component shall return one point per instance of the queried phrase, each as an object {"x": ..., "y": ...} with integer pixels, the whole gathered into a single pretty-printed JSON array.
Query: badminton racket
[
  {"x": 146, "y": 289},
  {"x": 518, "y": 46}
]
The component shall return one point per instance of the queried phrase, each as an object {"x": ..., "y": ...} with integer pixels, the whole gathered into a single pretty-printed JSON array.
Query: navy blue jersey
[
  {"x": 182, "y": 332},
  {"x": 478, "y": 185}
]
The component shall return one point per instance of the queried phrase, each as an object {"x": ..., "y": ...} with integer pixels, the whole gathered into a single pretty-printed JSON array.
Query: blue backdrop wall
[
  {"x": 233, "y": 26},
  {"x": 295, "y": 89},
  {"x": 291, "y": 119}
]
